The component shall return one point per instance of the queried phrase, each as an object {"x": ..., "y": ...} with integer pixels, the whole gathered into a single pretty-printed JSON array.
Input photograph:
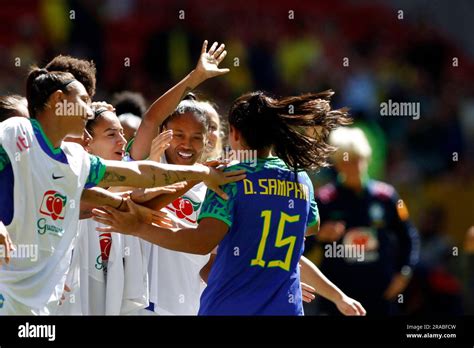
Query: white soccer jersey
[
  {"x": 47, "y": 190},
  {"x": 175, "y": 283},
  {"x": 108, "y": 274}
]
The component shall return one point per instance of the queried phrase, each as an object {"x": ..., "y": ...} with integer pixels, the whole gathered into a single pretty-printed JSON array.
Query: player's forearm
[
  {"x": 150, "y": 174},
  {"x": 311, "y": 275},
  {"x": 97, "y": 197},
  {"x": 168, "y": 102},
  {"x": 158, "y": 112},
  {"x": 187, "y": 240},
  {"x": 162, "y": 201}
]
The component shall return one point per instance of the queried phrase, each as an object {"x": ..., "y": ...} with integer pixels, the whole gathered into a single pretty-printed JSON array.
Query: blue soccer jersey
[{"x": 256, "y": 269}]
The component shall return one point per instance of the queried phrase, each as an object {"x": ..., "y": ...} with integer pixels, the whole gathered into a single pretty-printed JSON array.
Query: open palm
[{"x": 208, "y": 64}]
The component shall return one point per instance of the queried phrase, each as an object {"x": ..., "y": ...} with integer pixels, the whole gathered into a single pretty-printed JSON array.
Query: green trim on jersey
[
  {"x": 97, "y": 171},
  {"x": 4, "y": 159},
  {"x": 36, "y": 125},
  {"x": 313, "y": 209},
  {"x": 129, "y": 145},
  {"x": 215, "y": 207}
]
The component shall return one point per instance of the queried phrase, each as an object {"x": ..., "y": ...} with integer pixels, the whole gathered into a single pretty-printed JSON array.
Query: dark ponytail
[
  {"x": 40, "y": 84},
  {"x": 287, "y": 126}
]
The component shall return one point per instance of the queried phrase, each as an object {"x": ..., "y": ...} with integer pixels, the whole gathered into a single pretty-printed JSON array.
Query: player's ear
[
  {"x": 234, "y": 134},
  {"x": 55, "y": 100}
]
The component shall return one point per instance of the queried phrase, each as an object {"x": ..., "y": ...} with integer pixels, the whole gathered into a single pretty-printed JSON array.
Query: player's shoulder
[
  {"x": 327, "y": 193},
  {"x": 73, "y": 148},
  {"x": 76, "y": 154},
  {"x": 381, "y": 190},
  {"x": 248, "y": 167},
  {"x": 14, "y": 123}
]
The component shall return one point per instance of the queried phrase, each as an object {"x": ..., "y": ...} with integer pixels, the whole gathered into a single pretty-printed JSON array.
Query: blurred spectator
[
  {"x": 130, "y": 124},
  {"x": 128, "y": 102},
  {"x": 369, "y": 244}
]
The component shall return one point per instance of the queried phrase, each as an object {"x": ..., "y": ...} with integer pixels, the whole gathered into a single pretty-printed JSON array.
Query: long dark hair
[
  {"x": 40, "y": 84},
  {"x": 286, "y": 126}
]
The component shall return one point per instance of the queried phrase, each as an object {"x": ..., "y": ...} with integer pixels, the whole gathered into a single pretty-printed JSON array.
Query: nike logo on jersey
[{"x": 57, "y": 177}]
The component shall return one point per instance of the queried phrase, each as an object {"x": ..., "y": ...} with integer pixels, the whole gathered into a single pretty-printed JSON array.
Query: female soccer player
[
  {"x": 207, "y": 67},
  {"x": 108, "y": 273},
  {"x": 175, "y": 284},
  {"x": 52, "y": 174},
  {"x": 214, "y": 138},
  {"x": 260, "y": 230}
]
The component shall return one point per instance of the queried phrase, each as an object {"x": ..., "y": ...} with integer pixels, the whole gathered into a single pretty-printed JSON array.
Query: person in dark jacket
[{"x": 369, "y": 244}]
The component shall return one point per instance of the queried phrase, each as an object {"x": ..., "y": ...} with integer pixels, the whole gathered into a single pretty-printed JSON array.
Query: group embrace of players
[{"x": 159, "y": 224}]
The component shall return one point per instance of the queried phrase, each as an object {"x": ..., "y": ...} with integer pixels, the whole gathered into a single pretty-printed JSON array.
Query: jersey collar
[{"x": 55, "y": 153}]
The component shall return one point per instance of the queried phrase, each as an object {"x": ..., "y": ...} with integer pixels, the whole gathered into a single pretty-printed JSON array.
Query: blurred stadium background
[{"x": 427, "y": 57}]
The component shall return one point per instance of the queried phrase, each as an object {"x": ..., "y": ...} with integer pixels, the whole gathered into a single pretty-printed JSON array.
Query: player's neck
[
  {"x": 52, "y": 130},
  {"x": 264, "y": 153}
]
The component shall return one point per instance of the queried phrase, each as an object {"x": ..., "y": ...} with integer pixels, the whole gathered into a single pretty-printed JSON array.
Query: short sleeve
[
  {"x": 216, "y": 207},
  {"x": 96, "y": 173},
  {"x": 313, "y": 217},
  {"x": 4, "y": 159},
  {"x": 128, "y": 147}
]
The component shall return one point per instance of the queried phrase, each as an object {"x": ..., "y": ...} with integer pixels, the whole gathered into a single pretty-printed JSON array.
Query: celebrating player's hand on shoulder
[
  {"x": 217, "y": 178},
  {"x": 349, "y": 306}
]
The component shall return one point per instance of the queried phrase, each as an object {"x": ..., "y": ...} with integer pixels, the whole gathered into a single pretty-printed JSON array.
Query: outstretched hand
[
  {"x": 208, "y": 63},
  {"x": 131, "y": 221},
  {"x": 217, "y": 177},
  {"x": 349, "y": 306}
]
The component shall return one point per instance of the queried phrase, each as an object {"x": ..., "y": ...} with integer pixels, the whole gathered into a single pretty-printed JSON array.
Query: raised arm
[{"x": 207, "y": 67}]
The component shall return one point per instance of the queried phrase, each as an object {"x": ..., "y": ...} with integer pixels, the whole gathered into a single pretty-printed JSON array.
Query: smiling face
[
  {"x": 107, "y": 141},
  {"x": 189, "y": 139}
]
